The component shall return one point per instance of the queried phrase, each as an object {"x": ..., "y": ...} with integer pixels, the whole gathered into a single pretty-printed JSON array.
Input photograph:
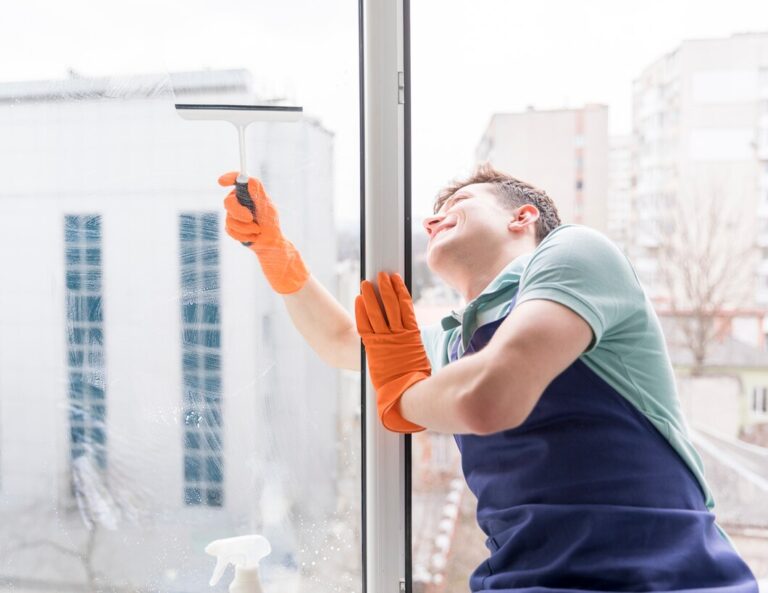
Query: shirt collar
[{"x": 507, "y": 278}]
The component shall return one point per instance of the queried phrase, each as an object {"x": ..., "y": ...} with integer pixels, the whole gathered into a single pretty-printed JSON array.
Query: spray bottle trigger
[
  {"x": 218, "y": 572},
  {"x": 244, "y": 553}
]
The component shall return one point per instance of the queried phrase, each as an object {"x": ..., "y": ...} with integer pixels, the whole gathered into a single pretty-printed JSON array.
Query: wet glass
[{"x": 154, "y": 394}]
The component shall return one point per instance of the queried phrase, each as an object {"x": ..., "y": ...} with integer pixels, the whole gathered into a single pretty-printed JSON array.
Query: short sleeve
[
  {"x": 432, "y": 338},
  {"x": 583, "y": 270}
]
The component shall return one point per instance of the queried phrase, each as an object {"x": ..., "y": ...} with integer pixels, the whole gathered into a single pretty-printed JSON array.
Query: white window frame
[{"x": 385, "y": 153}]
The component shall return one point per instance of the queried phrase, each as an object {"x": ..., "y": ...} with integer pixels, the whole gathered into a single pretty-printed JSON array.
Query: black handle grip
[{"x": 241, "y": 191}]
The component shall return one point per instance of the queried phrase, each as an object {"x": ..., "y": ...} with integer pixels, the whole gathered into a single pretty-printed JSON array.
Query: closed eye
[{"x": 453, "y": 201}]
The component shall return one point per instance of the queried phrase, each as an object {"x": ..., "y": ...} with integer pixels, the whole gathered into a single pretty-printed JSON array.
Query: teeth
[{"x": 447, "y": 228}]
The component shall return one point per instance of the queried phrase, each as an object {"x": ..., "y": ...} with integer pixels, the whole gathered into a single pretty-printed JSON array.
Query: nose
[{"x": 431, "y": 222}]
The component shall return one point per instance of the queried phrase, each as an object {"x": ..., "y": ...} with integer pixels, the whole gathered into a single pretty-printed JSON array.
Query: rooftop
[{"x": 724, "y": 352}]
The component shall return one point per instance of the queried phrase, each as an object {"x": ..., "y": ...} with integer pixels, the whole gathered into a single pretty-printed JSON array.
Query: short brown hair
[{"x": 512, "y": 193}]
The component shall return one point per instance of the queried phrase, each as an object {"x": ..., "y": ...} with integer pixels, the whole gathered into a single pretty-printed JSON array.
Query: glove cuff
[
  {"x": 283, "y": 266},
  {"x": 388, "y": 397}
]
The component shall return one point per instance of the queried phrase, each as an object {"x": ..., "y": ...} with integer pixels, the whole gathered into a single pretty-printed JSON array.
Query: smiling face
[
  {"x": 473, "y": 236},
  {"x": 470, "y": 223},
  {"x": 472, "y": 208}
]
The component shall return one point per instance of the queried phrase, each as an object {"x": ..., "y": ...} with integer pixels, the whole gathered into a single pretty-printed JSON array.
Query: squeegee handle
[{"x": 241, "y": 191}]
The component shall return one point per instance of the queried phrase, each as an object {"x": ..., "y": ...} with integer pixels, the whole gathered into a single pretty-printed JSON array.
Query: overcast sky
[{"x": 470, "y": 58}]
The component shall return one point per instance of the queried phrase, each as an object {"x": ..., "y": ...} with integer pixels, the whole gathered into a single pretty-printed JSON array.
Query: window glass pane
[
  {"x": 636, "y": 137},
  {"x": 154, "y": 394}
]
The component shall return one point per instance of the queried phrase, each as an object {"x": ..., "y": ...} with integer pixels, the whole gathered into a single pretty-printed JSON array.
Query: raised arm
[
  {"x": 320, "y": 319},
  {"x": 325, "y": 325}
]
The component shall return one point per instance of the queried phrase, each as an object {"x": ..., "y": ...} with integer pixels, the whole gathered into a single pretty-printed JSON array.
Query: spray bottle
[{"x": 244, "y": 553}]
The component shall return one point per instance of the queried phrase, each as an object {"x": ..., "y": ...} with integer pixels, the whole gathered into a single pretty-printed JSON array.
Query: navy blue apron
[{"x": 587, "y": 495}]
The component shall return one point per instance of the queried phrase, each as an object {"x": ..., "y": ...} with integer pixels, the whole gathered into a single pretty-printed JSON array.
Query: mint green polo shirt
[{"x": 582, "y": 269}]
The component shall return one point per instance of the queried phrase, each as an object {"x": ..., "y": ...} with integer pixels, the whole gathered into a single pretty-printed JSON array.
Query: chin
[
  {"x": 430, "y": 259},
  {"x": 437, "y": 261}
]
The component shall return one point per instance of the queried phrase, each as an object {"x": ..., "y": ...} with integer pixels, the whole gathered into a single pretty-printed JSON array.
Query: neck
[
  {"x": 478, "y": 282},
  {"x": 475, "y": 281}
]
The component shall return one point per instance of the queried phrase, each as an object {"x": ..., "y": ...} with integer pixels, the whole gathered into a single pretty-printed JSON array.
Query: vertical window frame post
[{"x": 385, "y": 154}]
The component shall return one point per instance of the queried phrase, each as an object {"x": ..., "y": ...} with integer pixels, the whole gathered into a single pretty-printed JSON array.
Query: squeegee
[{"x": 240, "y": 116}]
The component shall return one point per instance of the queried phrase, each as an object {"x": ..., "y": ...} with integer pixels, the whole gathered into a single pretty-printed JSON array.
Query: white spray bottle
[{"x": 244, "y": 553}]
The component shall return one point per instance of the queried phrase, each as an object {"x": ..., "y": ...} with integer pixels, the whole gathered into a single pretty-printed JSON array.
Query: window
[
  {"x": 201, "y": 359},
  {"x": 85, "y": 339},
  {"x": 132, "y": 361},
  {"x": 759, "y": 400}
]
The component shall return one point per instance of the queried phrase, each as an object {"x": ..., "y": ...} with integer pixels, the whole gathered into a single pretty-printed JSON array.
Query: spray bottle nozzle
[{"x": 243, "y": 552}]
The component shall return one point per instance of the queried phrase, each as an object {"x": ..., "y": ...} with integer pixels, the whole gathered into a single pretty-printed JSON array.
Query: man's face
[{"x": 470, "y": 226}]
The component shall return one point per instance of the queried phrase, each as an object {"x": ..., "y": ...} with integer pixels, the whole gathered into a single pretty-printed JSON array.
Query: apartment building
[
  {"x": 562, "y": 151},
  {"x": 700, "y": 126},
  {"x": 620, "y": 183}
]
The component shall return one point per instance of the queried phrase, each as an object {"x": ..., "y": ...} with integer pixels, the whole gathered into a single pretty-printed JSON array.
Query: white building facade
[
  {"x": 700, "y": 124},
  {"x": 153, "y": 392},
  {"x": 562, "y": 151},
  {"x": 620, "y": 183}
]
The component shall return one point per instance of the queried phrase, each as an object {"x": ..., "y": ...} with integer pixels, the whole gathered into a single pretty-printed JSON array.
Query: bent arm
[
  {"x": 498, "y": 387},
  {"x": 325, "y": 325}
]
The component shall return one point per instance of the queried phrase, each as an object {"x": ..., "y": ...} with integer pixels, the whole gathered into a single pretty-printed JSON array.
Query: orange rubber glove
[
  {"x": 279, "y": 259},
  {"x": 393, "y": 347}
]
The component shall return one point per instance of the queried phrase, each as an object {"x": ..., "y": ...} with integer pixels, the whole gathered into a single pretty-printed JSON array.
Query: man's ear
[{"x": 523, "y": 216}]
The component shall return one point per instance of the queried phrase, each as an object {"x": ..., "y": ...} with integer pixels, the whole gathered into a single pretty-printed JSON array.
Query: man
[{"x": 553, "y": 377}]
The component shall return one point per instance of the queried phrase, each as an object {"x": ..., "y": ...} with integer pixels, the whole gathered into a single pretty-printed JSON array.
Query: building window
[
  {"x": 201, "y": 359},
  {"x": 85, "y": 339},
  {"x": 759, "y": 403}
]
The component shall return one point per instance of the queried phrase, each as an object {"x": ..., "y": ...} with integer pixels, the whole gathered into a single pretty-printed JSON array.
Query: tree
[
  {"x": 100, "y": 507},
  {"x": 706, "y": 263}
]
